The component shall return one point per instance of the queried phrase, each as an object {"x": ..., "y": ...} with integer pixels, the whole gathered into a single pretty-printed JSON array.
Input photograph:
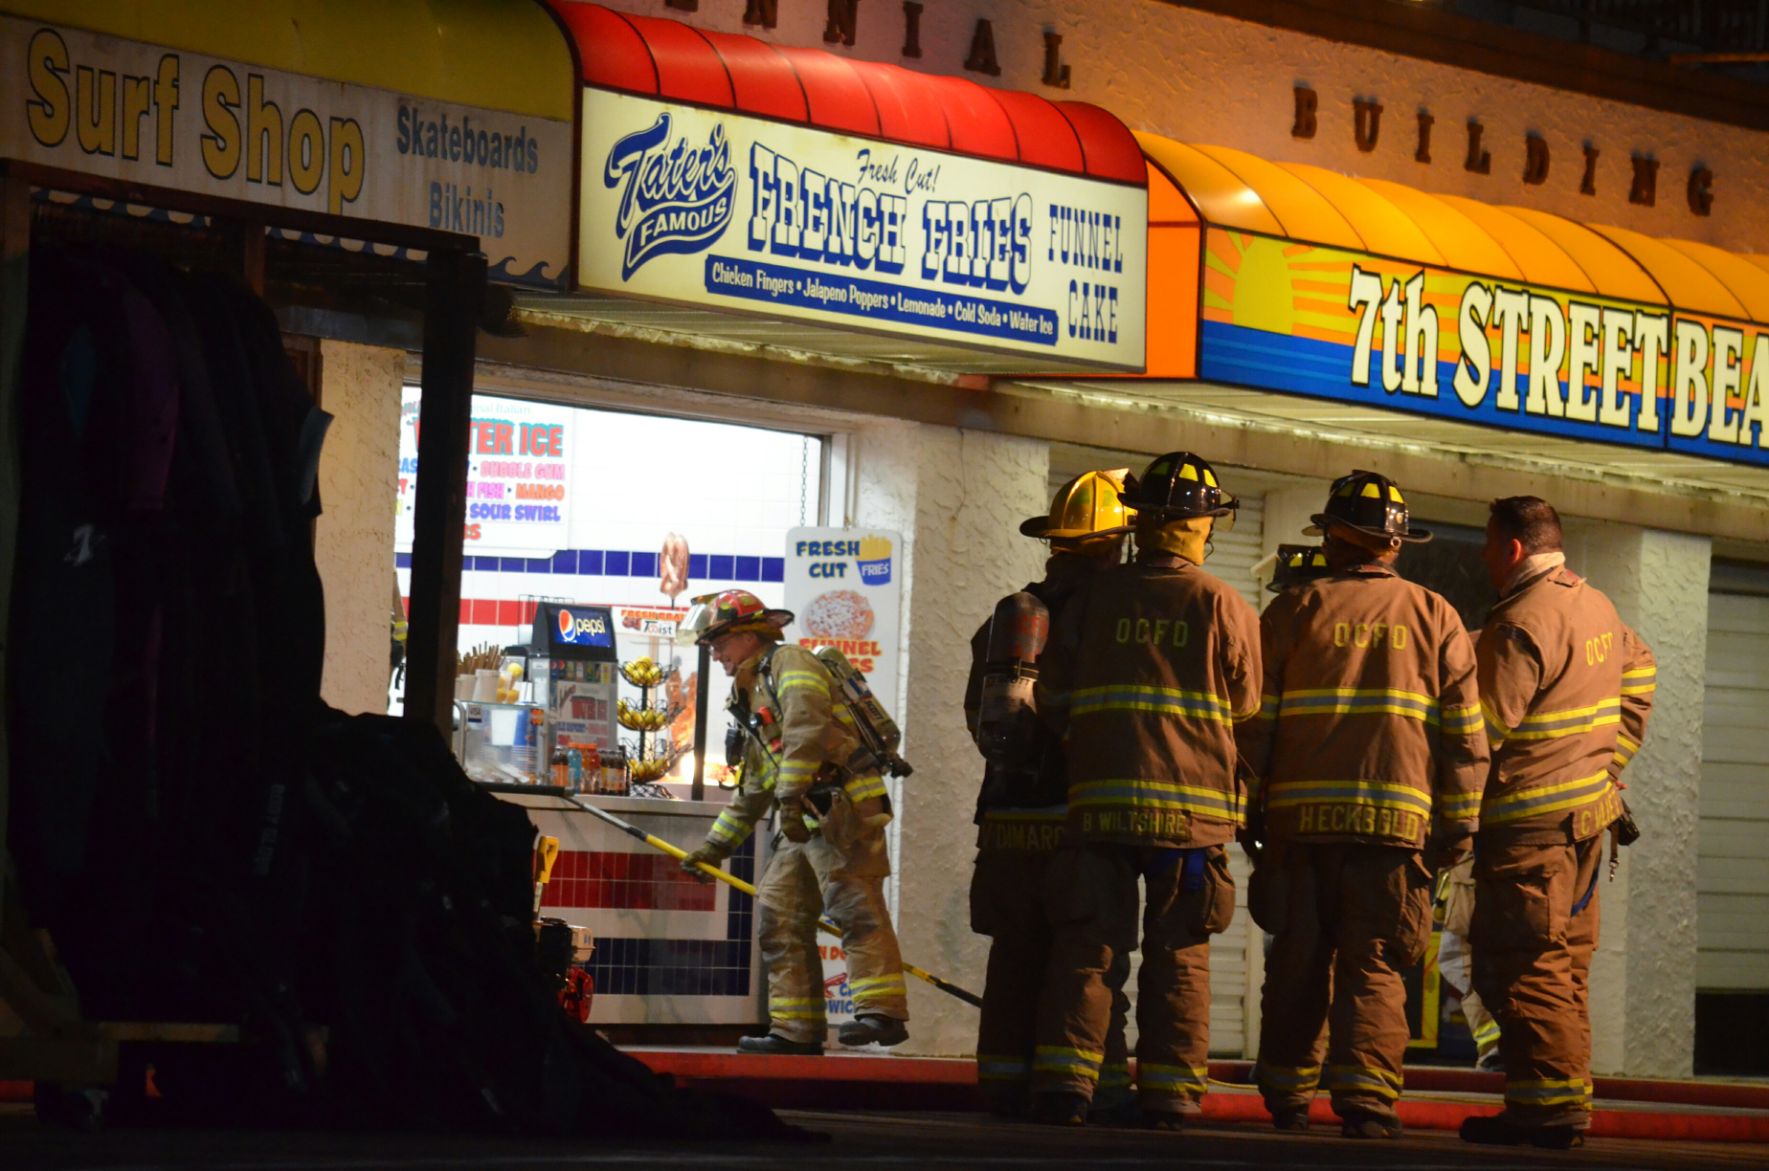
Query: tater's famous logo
[{"x": 673, "y": 198}]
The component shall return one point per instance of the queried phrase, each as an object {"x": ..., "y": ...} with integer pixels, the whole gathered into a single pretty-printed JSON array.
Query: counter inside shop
[{"x": 670, "y": 950}]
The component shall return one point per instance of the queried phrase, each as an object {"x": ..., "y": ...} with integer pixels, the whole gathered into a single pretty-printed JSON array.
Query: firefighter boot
[
  {"x": 1357, "y": 1125},
  {"x": 1290, "y": 1119},
  {"x": 872, "y": 1028},
  {"x": 1059, "y": 1109},
  {"x": 1497, "y": 1130},
  {"x": 775, "y": 1044}
]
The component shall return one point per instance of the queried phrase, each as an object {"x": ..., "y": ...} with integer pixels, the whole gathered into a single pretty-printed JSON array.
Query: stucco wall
[
  {"x": 958, "y": 497},
  {"x": 1643, "y": 979},
  {"x": 1203, "y": 78},
  {"x": 358, "y": 481}
]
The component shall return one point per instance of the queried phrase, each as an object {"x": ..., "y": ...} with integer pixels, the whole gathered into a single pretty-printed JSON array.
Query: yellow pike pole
[{"x": 732, "y": 880}]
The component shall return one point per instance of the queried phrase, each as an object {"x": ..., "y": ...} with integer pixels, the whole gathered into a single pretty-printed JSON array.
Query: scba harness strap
[{"x": 838, "y": 705}]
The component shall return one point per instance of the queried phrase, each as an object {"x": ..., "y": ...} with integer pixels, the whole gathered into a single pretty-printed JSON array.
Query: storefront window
[
  {"x": 1450, "y": 564},
  {"x": 635, "y": 513}
]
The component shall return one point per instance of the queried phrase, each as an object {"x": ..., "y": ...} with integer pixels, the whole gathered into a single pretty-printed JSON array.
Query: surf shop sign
[
  {"x": 143, "y": 114},
  {"x": 1341, "y": 325}
]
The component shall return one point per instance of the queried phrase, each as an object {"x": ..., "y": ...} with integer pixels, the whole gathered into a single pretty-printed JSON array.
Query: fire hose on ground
[{"x": 733, "y": 881}]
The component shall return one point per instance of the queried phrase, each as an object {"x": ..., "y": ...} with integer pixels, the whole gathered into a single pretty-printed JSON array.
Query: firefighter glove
[
  {"x": 709, "y": 854},
  {"x": 792, "y": 821}
]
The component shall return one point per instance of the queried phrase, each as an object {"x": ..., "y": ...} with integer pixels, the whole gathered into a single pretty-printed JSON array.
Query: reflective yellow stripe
[
  {"x": 1288, "y": 1077},
  {"x": 992, "y": 1067},
  {"x": 1358, "y": 701},
  {"x": 1144, "y": 793},
  {"x": 1625, "y": 748},
  {"x": 1150, "y": 1076},
  {"x": 1382, "y": 794},
  {"x": 793, "y": 680},
  {"x": 1458, "y": 805},
  {"x": 1114, "y": 1075},
  {"x": 1462, "y": 719},
  {"x": 729, "y": 829},
  {"x": 888, "y": 980},
  {"x": 864, "y": 787},
  {"x": 1540, "y": 799},
  {"x": 1362, "y": 1077},
  {"x": 796, "y": 1009},
  {"x": 1268, "y": 707},
  {"x": 1136, "y": 697},
  {"x": 1568, "y": 722},
  {"x": 1549, "y": 1092},
  {"x": 1640, "y": 681},
  {"x": 1496, "y": 730},
  {"x": 1057, "y": 1059}
]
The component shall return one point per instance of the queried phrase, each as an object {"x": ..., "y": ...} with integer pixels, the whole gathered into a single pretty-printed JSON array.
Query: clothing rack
[{"x": 44, "y": 1036}]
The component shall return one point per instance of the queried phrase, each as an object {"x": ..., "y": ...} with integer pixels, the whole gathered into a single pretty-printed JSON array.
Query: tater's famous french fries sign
[{"x": 718, "y": 209}]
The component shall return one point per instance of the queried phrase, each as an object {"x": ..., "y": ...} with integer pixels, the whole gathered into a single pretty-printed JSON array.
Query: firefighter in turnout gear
[
  {"x": 1367, "y": 760},
  {"x": 801, "y": 757},
  {"x": 1024, "y": 797},
  {"x": 1148, "y": 668},
  {"x": 1566, "y": 689}
]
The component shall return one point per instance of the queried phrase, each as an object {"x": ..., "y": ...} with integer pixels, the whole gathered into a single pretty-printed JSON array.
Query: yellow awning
[
  {"x": 1233, "y": 189},
  {"x": 1294, "y": 260}
]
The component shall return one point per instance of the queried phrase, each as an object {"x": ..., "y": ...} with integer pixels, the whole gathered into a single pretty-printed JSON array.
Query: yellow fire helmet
[{"x": 1091, "y": 505}]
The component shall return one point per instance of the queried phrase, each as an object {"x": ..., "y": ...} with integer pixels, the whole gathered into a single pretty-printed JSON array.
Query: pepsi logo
[{"x": 575, "y": 629}]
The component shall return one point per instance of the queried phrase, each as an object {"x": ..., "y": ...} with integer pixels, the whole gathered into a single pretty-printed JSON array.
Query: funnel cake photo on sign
[{"x": 838, "y": 614}]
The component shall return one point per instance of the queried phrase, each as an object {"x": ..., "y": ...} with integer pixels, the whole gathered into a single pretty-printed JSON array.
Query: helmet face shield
[
  {"x": 695, "y": 622},
  {"x": 729, "y": 612}
]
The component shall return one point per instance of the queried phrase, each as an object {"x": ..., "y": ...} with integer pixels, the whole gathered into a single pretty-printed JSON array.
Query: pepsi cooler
[{"x": 576, "y": 676}]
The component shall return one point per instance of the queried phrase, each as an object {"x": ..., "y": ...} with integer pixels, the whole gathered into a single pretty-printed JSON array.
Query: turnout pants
[
  {"x": 1190, "y": 896},
  {"x": 1534, "y": 932},
  {"x": 1010, "y": 898},
  {"x": 1347, "y": 921},
  {"x": 845, "y": 881}
]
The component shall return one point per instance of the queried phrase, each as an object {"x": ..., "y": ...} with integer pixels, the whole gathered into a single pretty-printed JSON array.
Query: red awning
[{"x": 679, "y": 63}]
